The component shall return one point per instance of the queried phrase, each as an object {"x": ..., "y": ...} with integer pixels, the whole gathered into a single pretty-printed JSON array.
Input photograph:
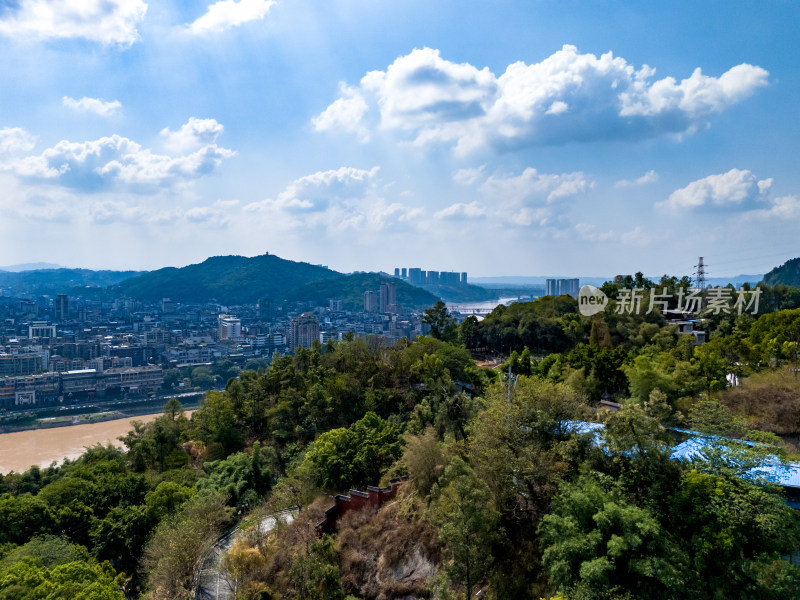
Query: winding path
[{"x": 211, "y": 581}]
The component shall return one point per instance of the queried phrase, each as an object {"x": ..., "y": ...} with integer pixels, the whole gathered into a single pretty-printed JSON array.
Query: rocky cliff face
[{"x": 388, "y": 554}]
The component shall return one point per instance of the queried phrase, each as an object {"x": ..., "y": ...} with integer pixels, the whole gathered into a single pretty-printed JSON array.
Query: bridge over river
[{"x": 479, "y": 309}]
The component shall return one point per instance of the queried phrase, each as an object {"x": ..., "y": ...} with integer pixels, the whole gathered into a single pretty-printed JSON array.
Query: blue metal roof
[
  {"x": 786, "y": 475},
  {"x": 772, "y": 469}
]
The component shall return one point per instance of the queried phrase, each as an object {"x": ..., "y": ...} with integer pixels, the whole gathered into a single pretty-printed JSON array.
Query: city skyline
[{"x": 505, "y": 139}]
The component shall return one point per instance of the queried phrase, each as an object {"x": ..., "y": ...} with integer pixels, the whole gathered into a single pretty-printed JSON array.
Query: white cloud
[
  {"x": 94, "y": 165},
  {"x": 218, "y": 213},
  {"x": 649, "y": 177},
  {"x": 460, "y": 210},
  {"x": 95, "y": 105},
  {"x": 226, "y": 14},
  {"x": 785, "y": 208},
  {"x": 534, "y": 187},
  {"x": 590, "y": 233},
  {"x": 468, "y": 176},
  {"x": 735, "y": 189},
  {"x": 345, "y": 114},
  {"x": 530, "y": 198},
  {"x": 104, "y": 21},
  {"x": 336, "y": 200},
  {"x": 316, "y": 192},
  {"x": 634, "y": 237},
  {"x": 15, "y": 139},
  {"x": 193, "y": 134},
  {"x": 114, "y": 211},
  {"x": 567, "y": 97}
]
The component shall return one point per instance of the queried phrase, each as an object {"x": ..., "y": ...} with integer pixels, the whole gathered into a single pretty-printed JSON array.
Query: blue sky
[{"x": 502, "y": 138}]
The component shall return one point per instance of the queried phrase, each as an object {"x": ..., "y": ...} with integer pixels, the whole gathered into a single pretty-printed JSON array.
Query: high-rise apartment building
[
  {"x": 416, "y": 276},
  {"x": 230, "y": 327},
  {"x": 303, "y": 331},
  {"x": 265, "y": 309},
  {"x": 559, "y": 287},
  {"x": 388, "y": 298},
  {"x": 370, "y": 301},
  {"x": 61, "y": 308},
  {"x": 41, "y": 329}
]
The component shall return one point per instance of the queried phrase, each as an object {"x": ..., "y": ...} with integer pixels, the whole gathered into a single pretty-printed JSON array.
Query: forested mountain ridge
[
  {"x": 787, "y": 274},
  {"x": 227, "y": 279}
]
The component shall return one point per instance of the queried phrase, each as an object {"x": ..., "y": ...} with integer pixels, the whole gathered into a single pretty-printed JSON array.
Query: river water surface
[{"x": 21, "y": 449}]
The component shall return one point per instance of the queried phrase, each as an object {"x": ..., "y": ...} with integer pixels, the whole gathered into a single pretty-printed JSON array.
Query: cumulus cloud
[
  {"x": 784, "y": 208},
  {"x": 567, "y": 97},
  {"x": 95, "y": 105},
  {"x": 97, "y": 164},
  {"x": 737, "y": 189},
  {"x": 532, "y": 186},
  {"x": 530, "y": 198},
  {"x": 316, "y": 192},
  {"x": 15, "y": 139},
  {"x": 195, "y": 133},
  {"x": 336, "y": 200},
  {"x": 460, "y": 210},
  {"x": 649, "y": 177},
  {"x": 226, "y": 14},
  {"x": 103, "y": 21},
  {"x": 345, "y": 114}
]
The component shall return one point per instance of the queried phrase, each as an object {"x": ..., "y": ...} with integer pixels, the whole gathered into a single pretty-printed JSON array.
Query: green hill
[
  {"x": 787, "y": 274},
  {"x": 350, "y": 290},
  {"x": 227, "y": 279}
]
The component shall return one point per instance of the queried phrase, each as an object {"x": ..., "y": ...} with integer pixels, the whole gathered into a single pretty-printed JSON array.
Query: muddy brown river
[{"x": 21, "y": 449}]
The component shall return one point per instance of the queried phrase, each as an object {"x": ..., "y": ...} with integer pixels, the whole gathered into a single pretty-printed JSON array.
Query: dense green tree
[
  {"x": 462, "y": 509},
  {"x": 78, "y": 580},
  {"x": 316, "y": 575},
  {"x": 244, "y": 478},
  {"x": 354, "y": 457},
  {"x": 598, "y": 544},
  {"x": 442, "y": 324},
  {"x": 22, "y": 517},
  {"x": 734, "y": 533},
  {"x": 171, "y": 553}
]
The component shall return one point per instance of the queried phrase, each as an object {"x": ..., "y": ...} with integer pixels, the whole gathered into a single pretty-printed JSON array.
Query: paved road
[{"x": 212, "y": 584}]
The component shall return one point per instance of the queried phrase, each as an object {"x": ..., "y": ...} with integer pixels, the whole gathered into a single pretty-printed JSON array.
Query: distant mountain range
[
  {"x": 58, "y": 281},
  {"x": 787, "y": 274},
  {"x": 30, "y": 267},
  {"x": 233, "y": 280},
  {"x": 229, "y": 280}
]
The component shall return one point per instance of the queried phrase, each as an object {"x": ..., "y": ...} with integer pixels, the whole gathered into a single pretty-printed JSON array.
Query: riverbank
[
  {"x": 21, "y": 449},
  {"x": 93, "y": 412}
]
